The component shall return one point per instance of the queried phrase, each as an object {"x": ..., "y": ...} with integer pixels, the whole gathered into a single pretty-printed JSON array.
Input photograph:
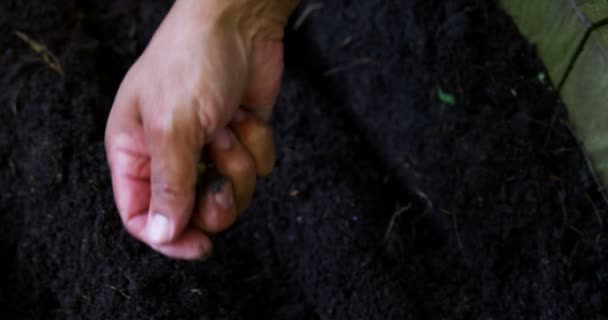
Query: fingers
[
  {"x": 130, "y": 169},
  {"x": 265, "y": 76},
  {"x": 153, "y": 158},
  {"x": 233, "y": 161},
  {"x": 174, "y": 144},
  {"x": 231, "y": 190},
  {"x": 192, "y": 244},
  {"x": 256, "y": 137},
  {"x": 128, "y": 158},
  {"x": 216, "y": 209},
  {"x": 238, "y": 157},
  {"x": 264, "y": 84}
]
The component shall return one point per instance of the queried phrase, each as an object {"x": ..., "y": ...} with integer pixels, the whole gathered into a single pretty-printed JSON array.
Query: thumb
[{"x": 174, "y": 151}]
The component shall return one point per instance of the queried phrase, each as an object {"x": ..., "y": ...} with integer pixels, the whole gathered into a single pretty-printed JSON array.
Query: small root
[
  {"x": 347, "y": 66},
  {"x": 121, "y": 292},
  {"x": 306, "y": 13},
  {"x": 426, "y": 198},
  {"x": 391, "y": 223},
  {"x": 456, "y": 230}
]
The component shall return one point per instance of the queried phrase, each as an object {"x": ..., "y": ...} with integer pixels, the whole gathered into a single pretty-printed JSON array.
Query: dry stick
[
  {"x": 345, "y": 42},
  {"x": 306, "y": 13},
  {"x": 122, "y": 293},
  {"x": 423, "y": 195},
  {"x": 394, "y": 217},
  {"x": 48, "y": 57},
  {"x": 15, "y": 98},
  {"x": 346, "y": 66},
  {"x": 550, "y": 131},
  {"x": 456, "y": 230},
  {"x": 11, "y": 166},
  {"x": 598, "y": 238}
]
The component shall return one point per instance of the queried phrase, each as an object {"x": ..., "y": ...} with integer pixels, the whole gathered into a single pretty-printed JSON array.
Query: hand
[{"x": 209, "y": 76}]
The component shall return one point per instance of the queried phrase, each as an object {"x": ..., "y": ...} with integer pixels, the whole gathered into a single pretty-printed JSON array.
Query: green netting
[
  {"x": 594, "y": 10},
  {"x": 585, "y": 92},
  {"x": 558, "y": 28}
]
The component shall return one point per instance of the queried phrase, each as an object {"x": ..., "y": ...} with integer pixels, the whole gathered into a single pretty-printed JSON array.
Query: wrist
[{"x": 250, "y": 18}]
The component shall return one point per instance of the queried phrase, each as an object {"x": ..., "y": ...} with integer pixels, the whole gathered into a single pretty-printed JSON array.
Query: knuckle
[
  {"x": 263, "y": 132},
  {"x": 169, "y": 192},
  {"x": 178, "y": 127},
  {"x": 210, "y": 112},
  {"x": 256, "y": 134},
  {"x": 114, "y": 144},
  {"x": 242, "y": 165},
  {"x": 209, "y": 119},
  {"x": 162, "y": 127}
]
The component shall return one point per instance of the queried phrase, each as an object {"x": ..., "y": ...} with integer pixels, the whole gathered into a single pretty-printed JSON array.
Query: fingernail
[
  {"x": 159, "y": 228},
  {"x": 216, "y": 184},
  {"x": 223, "y": 139},
  {"x": 239, "y": 116},
  {"x": 225, "y": 198}
]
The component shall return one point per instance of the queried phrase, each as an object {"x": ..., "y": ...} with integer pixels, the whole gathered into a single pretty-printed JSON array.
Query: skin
[{"x": 208, "y": 79}]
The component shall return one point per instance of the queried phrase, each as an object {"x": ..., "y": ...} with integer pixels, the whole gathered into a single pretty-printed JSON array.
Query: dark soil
[{"x": 386, "y": 203}]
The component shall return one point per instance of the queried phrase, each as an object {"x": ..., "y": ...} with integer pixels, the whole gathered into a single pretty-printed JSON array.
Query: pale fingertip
[{"x": 159, "y": 228}]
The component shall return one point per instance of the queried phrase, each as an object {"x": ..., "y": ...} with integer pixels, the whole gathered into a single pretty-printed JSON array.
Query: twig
[
  {"x": 456, "y": 230},
  {"x": 391, "y": 223},
  {"x": 47, "y": 56},
  {"x": 423, "y": 195},
  {"x": 15, "y": 97},
  {"x": 550, "y": 131},
  {"x": 11, "y": 166},
  {"x": 347, "y": 66},
  {"x": 122, "y": 293},
  {"x": 306, "y": 13},
  {"x": 345, "y": 42}
]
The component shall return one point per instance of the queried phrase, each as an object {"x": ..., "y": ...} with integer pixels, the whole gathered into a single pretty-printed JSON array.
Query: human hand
[{"x": 209, "y": 77}]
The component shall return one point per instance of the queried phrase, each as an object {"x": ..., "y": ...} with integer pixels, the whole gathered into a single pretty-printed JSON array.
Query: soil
[{"x": 386, "y": 202}]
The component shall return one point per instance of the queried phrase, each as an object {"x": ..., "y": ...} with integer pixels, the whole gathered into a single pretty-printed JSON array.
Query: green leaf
[{"x": 446, "y": 97}]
